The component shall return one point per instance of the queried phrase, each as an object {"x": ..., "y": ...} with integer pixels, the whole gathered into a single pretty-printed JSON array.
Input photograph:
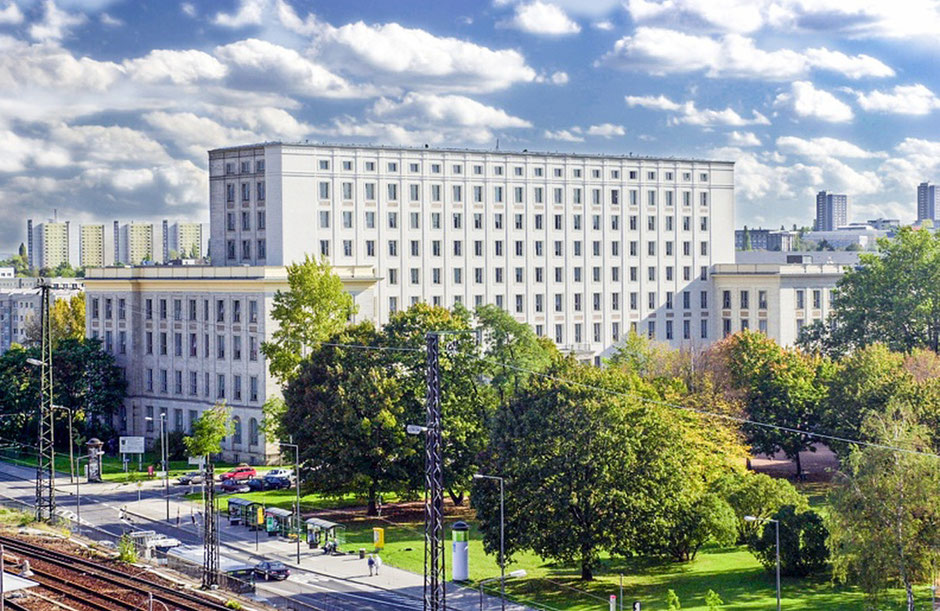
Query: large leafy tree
[
  {"x": 67, "y": 318},
  {"x": 803, "y": 538},
  {"x": 208, "y": 431},
  {"x": 886, "y": 510},
  {"x": 315, "y": 307},
  {"x": 758, "y": 495},
  {"x": 590, "y": 467},
  {"x": 891, "y": 297},
  {"x": 346, "y": 411},
  {"x": 782, "y": 387}
]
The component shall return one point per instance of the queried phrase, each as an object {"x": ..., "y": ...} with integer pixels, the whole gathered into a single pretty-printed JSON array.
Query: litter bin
[{"x": 362, "y": 553}]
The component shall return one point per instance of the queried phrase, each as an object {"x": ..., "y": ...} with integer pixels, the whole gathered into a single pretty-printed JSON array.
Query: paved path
[{"x": 317, "y": 581}]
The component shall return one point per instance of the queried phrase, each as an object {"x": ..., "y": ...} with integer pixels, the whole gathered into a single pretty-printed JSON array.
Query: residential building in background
[
  {"x": 91, "y": 245},
  {"x": 861, "y": 235},
  {"x": 883, "y": 224},
  {"x": 48, "y": 244},
  {"x": 764, "y": 239},
  {"x": 185, "y": 240},
  {"x": 832, "y": 211},
  {"x": 777, "y": 293},
  {"x": 926, "y": 202},
  {"x": 189, "y": 337},
  {"x": 581, "y": 247},
  {"x": 135, "y": 243},
  {"x": 20, "y": 303}
]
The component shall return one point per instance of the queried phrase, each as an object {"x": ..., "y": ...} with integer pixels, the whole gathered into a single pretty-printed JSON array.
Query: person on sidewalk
[
  {"x": 378, "y": 563},
  {"x": 371, "y": 562}
]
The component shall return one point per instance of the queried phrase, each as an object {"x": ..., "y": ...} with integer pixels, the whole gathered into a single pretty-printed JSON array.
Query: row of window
[
  {"x": 499, "y": 194},
  {"x": 162, "y": 385},
  {"x": 499, "y": 169},
  {"x": 745, "y": 324},
  {"x": 161, "y": 309},
  {"x": 244, "y": 166},
  {"x": 669, "y": 331},
  {"x": 254, "y": 430},
  {"x": 245, "y": 221},
  {"x": 231, "y": 249},
  {"x": 245, "y": 192},
  {"x": 558, "y": 221},
  {"x": 392, "y": 274},
  {"x": 519, "y": 248},
  {"x": 744, "y": 299},
  {"x": 191, "y": 348}
]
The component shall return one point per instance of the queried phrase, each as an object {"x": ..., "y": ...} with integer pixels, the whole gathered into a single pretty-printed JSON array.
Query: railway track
[{"x": 118, "y": 590}]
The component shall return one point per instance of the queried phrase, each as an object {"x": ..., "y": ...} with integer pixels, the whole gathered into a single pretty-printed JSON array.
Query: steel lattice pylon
[
  {"x": 45, "y": 461},
  {"x": 210, "y": 566},
  {"x": 434, "y": 580}
]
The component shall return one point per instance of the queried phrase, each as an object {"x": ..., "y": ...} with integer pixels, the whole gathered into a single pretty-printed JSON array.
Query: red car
[{"x": 241, "y": 472}]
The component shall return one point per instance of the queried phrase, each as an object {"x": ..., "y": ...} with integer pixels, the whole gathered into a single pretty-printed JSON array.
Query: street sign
[
  {"x": 131, "y": 445},
  {"x": 198, "y": 461}
]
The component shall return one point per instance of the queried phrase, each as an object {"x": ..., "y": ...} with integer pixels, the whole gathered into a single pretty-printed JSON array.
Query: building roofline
[{"x": 433, "y": 149}]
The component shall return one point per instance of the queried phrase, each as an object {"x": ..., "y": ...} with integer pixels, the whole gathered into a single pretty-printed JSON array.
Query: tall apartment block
[
  {"x": 581, "y": 247},
  {"x": 134, "y": 243},
  {"x": 91, "y": 245},
  {"x": 48, "y": 244},
  {"x": 832, "y": 211},
  {"x": 926, "y": 201},
  {"x": 183, "y": 239}
]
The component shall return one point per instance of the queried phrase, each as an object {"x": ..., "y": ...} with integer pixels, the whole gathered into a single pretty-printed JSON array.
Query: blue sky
[{"x": 107, "y": 107}]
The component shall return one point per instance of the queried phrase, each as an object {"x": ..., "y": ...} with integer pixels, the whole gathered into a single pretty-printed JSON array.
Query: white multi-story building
[
  {"x": 91, "y": 245},
  {"x": 188, "y": 337},
  {"x": 48, "y": 244},
  {"x": 20, "y": 303},
  {"x": 185, "y": 239},
  {"x": 582, "y": 247},
  {"x": 134, "y": 243}
]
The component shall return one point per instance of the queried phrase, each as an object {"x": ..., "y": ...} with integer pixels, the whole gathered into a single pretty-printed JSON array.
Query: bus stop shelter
[
  {"x": 278, "y": 521},
  {"x": 321, "y": 532}
]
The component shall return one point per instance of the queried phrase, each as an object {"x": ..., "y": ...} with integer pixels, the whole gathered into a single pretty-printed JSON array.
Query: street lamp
[
  {"x": 502, "y": 532},
  {"x": 502, "y": 579},
  {"x": 777, "y": 527},
  {"x": 297, "y": 489},
  {"x": 34, "y": 362},
  {"x": 164, "y": 456}
]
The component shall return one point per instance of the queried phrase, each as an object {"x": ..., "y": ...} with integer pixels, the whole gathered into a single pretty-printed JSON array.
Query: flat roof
[
  {"x": 216, "y": 272},
  {"x": 436, "y": 149}
]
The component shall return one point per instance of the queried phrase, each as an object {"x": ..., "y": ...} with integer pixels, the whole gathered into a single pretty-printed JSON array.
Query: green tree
[
  {"x": 747, "y": 239},
  {"x": 672, "y": 600},
  {"x": 22, "y": 250},
  {"x": 891, "y": 297},
  {"x": 707, "y": 518},
  {"x": 68, "y": 321},
  {"x": 803, "y": 548},
  {"x": 756, "y": 494},
  {"x": 886, "y": 510},
  {"x": 713, "y": 602},
  {"x": 346, "y": 411},
  {"x": 315, "y": 307},
  {"x": 209, "y": 429},
  {"x": 782, "y": 387}
]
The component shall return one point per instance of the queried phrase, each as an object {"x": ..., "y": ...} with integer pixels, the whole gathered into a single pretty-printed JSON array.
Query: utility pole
[
  {"x": 434, "y": 575},
  {"x": 45, "y": 461},
  {"x": 210, "y": 567}
]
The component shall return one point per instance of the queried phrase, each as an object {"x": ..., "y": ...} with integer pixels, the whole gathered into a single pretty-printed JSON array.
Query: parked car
[
  {"x": 241, "y": 472},
  {"x": 257, "y": 484},
  {"x": 281, "y": 472},
  {"x": 277, "y": 483},
  {"x": 272, "y": 570},
  {"x": 234, "y": 485},
  {"x": 193, "y": 477}
]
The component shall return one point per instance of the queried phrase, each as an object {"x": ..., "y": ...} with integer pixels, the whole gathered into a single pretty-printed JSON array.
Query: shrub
[
  {"x": 802, "y": 543},
  {"x": 126, "y": 550},
  {"x": 759, "y": 495},
  {"x": 672, "y": 600},
  {"x": 713, "y": 601},
  {"x": 233, "y": 604}
]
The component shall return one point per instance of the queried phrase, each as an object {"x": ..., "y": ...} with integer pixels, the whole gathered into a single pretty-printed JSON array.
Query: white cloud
[
  {"x": 807, "y": 101},
  {"x": 55, "y": 24},
  {"x": 604, "y": 25},
  {"x": 562, "y": 134},
  {"x": 109, "y": 21},
  {"x": 663, "y": 51},
  {"x": 194, "y": 134},
  {"x": 413, "y": 58},
  {"x": 188, "y": 9},
  {"x": 824, "y": 147},
  {"x": 263, "y": 65},
  {"x": 740, "y": 139},
  {"x": 559, "y": 78},
  {"x": 396, "y": 134},
  {"x": 902, "y": 100},
  {"x": 728, "y": 15},
  {"x": 606, "y": 130},
  {"x": 539, "y": 17},
  {"x": 250, "y": 12},
  {"x": 24, "y": 66},
  {"x": 423, "y": 109},
  {"x": 177, "y": 67},
  {"x": 11, "y": 14},
  {"x": 688, "y": 114},
  {"x": 913, "y": 161}
]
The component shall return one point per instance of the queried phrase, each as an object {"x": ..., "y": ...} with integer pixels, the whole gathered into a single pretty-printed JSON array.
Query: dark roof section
[{"x": 815, "y": 257}]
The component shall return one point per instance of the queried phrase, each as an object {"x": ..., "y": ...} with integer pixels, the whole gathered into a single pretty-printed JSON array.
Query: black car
[
  {"x": 272, "y": 569},
  {"x": 257, "y": 484},
  {"x": 277, "y": 483}
]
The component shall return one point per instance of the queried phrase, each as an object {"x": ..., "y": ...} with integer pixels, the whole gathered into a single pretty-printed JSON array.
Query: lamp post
[
  {"x": 502, "y": 579},
  {"x": 296, "y": 488},
  {"x": 164, "y": 455},
  {"x": 777, "y": 528},
  {"x": 502, "y": 532}
]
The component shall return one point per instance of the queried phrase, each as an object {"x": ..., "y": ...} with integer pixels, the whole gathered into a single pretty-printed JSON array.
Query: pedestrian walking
[
  {"x": 378, "y": 563},
  {"x": 371, "y": 563}
]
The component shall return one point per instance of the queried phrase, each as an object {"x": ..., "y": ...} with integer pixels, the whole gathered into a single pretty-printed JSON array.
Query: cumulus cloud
[
  {"x": 543, "y": 18},
  {"x": 688, "y": 114},
  {"x": 177, "y": 67},
  {"x": 559, "y": 78},
  {"x": 604, "y": 25},
  {"x": 188, "y": 9},
  {"x": 741, "y": 139},
  {"x": 824, "y": 147},
  {"x": 10, "y": 13},
  {"x": 250, "y": 12},
  {"x": 565, "y": 135},
  {"x": 664, "y": 51},
  {"x": 55, "y": 24},
  {"x": 902, "y": 100},
  {"x": 807, "y": 101},
  {"x": 577, "y": 134},
  {"x": 422, "y": 109},
  {"x": 606, "y": 130}
]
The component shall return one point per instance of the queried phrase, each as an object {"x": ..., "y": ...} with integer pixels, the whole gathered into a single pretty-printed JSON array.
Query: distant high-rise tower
[
  {"x": 184, "y": 240},
  {"x": 926, "y": 201},
  {"x": 48, "y": 244},
  {"x": 91, "y": 245},
  {"x": 832, "y": 211},
  {"x": 134, "y": 243}
]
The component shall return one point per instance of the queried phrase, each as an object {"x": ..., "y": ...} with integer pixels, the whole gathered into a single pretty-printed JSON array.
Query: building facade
[
  {"x": 185, "y": 239},
  {"x": 20, "y": 303},
  {"x": 926, "y": 202},
  {"x": 188, "y": 337},
  {"x": 581, "y": 247},
  {"x": 832, "y": 211},
  {"x": 48, "y": 244},
  {"x": 134, "y": 243},
  {"x": 91, "y": 245}
]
